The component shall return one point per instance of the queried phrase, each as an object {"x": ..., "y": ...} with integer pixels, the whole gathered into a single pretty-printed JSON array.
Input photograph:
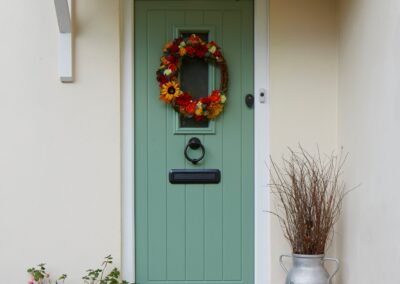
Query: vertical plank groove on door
[
  {"x": 241, "y": 97},
  {"x": 165, "y": 180},
  {"x": 176, "y": 193},
  {"x": 194, "y": 225},
  {"x": 232, "y": 269},
  {"x": 203, "y": 137},
  {"x": 213, "y": 193},
  {"x": 222, "y": 200},
  {"x": 157, "y": 156},
  {"x": 222, "y": 44},
  {"x": 204, "y": 221},
  {"x": 141, "y": 224},
  {"x": 194, "y": 197},
  {"x": 242, "y": 94}
]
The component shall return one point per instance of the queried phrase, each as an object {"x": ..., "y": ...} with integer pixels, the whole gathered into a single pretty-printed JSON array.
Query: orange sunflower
[{"x": 169, "y": 91}]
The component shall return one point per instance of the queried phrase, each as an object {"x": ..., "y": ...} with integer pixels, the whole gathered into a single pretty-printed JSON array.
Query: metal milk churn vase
[{"x": 308, "y": 269}]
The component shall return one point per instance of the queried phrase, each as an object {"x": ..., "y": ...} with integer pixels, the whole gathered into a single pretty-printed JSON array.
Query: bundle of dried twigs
[{"x": 309, "y": 194}]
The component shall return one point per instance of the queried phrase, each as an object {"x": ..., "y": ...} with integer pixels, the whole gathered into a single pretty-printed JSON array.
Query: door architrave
[{"x": 262, "y": 234}]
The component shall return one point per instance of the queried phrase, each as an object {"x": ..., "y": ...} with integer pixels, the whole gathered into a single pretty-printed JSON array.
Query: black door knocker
[{"x": 194, "y": 144}]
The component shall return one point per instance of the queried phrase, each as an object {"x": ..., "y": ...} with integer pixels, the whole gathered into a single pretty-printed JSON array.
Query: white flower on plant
[{"x": 167, "y": 72}]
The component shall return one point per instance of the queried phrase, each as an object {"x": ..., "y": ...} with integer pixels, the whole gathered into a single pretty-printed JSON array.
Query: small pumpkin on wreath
[{"x": 168, "y": 73}]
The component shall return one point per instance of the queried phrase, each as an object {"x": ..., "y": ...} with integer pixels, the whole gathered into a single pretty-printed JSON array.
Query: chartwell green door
[{"x": 194, "y": 233}]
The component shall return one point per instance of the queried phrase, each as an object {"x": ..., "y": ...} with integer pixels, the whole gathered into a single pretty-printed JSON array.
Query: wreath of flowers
[{"x": 168, "y": 73}]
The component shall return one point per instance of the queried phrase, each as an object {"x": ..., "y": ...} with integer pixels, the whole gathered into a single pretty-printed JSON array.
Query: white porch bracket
[{"x": 63, "y": 11}]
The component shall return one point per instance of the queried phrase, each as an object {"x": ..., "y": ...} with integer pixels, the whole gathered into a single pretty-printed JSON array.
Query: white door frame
[{"x": 262, "y": 253}]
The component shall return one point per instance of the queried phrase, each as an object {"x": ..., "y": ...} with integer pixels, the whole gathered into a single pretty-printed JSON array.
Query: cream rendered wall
[
  {"x": 59, "y": 143},
  {"x": 303, "y": 78},
  {"x": 369, "y": 128}
]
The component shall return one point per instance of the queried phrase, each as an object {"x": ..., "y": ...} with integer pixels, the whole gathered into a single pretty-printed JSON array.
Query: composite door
[{"x": 194, "y": 233}]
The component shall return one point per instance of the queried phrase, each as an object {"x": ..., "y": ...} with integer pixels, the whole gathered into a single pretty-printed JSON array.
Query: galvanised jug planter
[{"x": 308, "y": 269}]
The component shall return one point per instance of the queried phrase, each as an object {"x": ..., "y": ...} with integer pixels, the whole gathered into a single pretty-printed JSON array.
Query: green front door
[{"x": 194, "y": 233}]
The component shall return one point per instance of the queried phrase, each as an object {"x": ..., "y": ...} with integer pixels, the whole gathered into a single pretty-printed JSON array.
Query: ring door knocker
[{"x": 194, "y": 144}]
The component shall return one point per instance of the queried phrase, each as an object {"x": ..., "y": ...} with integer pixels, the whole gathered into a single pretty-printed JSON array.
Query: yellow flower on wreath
[
  {"x": 214, "y": 110},
  {"x": 182, "y": 51},
  {"x": 199, "y": 109},
  {"x": 169, "y": 91}
]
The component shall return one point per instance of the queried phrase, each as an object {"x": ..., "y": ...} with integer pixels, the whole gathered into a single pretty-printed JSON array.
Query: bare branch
[{"x": 309, "y": 196}]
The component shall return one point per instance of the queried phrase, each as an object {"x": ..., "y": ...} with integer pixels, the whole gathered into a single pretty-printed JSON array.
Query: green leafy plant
[
  {"x": 101, "y": 276},
  {"x": 39, "y": 275}
]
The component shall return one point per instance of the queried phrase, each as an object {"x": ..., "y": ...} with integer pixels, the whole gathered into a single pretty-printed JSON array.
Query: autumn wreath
[{"x": 168, "y": 73}]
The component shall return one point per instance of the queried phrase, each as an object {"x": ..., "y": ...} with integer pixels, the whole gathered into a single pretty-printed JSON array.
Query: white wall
[
  {"x": 303, "y": 68},
  {"x": 369, "y": 128},
  {"x": 59, "y": 143}
]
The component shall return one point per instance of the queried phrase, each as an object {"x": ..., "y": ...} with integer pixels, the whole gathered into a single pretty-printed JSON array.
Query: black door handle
[
  {"x": 194, "y": 144},
  {"x": 249, "y": 100}
]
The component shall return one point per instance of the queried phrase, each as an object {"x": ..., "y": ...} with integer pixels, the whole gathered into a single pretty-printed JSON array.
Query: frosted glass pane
[{"x": 194, "y": 77}]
